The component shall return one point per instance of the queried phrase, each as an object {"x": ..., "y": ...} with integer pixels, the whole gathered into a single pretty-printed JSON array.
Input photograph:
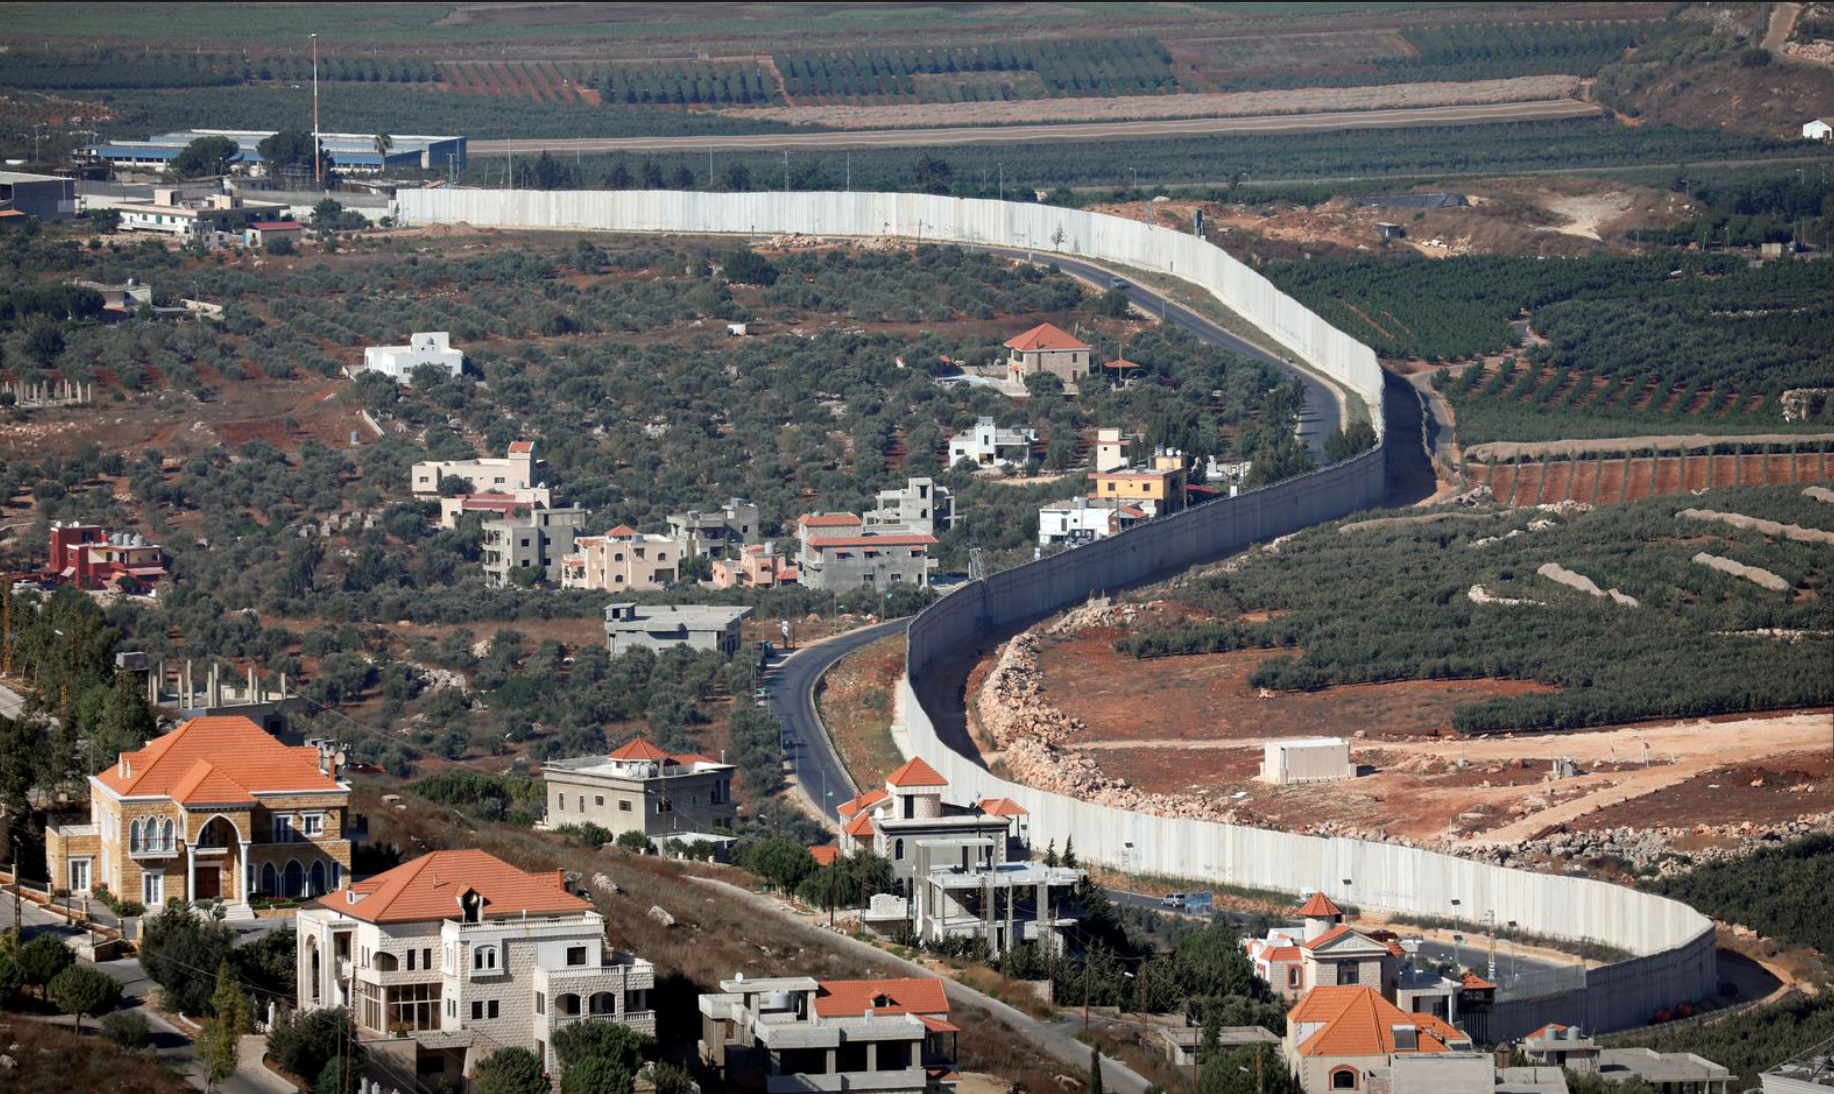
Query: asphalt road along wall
[{"x": 1674, "y": 943}]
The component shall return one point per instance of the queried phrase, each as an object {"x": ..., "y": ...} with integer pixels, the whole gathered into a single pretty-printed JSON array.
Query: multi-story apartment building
[
  {"x": 716, "y": 531},
  {"x": 1157, "y": 489},
  {"x": 449, "y": 957},
  {"x": 641, "y": 788},
  {"x": 1049, "y": 348},
  {"x": 809, "y": 1036},
  {"x": 987, "y": 445},
  {"x": 214, "y": 810},
  {"x": 517, "y": 470},
  {"x": 837, "y": 553},
  {"x": 623, "y": 560},
  {"x": 921, "y": 507},
  {"x": 90, "y": 557},
  {"x": 536, "y": 540},
  {"x": 494, "y": 505}
]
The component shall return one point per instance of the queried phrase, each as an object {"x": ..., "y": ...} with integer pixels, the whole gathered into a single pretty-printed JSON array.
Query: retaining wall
[{"x": 1674, "y": 943}]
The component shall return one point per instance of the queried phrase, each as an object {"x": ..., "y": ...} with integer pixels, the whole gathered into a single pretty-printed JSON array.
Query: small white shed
[{"x": 1306, "y": 760}]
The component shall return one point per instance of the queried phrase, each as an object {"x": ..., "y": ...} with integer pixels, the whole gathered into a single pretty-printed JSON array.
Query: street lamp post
[{"x": 317, "y": 179}]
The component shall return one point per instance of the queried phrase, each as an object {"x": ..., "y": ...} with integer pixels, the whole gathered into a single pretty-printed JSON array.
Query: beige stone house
[
  {"x": 623, "y": 560},
  {"x": 217, "y": 809},
  {"x": 642, "y": 788},
  {"x": 453, "y": 955},
  {"x": 1049, "y": 348},
  {"x": 1336, "y": 1037}
]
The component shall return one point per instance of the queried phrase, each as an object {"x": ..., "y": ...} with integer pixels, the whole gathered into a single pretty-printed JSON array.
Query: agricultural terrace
[
  {"x": 1467, "y": 663},
  {"x": 1697, "y": 642},
  {"x": 612, "y": 354}
]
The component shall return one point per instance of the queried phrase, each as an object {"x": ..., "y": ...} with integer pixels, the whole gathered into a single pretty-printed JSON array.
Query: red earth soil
[{"x": 1602, "y": 482}]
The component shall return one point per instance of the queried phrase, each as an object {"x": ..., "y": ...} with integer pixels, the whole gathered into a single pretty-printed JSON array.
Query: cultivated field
[{"x": 1608, "y": 481}]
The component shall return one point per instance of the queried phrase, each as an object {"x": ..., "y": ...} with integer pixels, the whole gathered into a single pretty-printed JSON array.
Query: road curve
[
  {"x": 1145, "y": 129},
  {"x": 815, "y": 767}
]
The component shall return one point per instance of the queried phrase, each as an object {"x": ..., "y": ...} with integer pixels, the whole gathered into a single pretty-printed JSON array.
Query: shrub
[
  {"x": 634, "y": 841},
  {"x": 42, "y": 959},
  {"x": 127, "y": 1029},
  {"x": 302, "y": 1043},
  {"x": 79, "y": 991}
]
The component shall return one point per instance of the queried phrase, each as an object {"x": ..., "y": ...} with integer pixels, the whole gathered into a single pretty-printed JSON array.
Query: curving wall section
[{"x": 1673, "y": 944}]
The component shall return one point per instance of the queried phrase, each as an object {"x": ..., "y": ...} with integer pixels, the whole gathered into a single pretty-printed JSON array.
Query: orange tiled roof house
[
  {"x": 217, "y": 809},
  {"x": 1049, "y": 348}
]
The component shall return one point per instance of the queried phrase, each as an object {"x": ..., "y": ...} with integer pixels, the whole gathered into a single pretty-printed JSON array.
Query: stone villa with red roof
[
  {"x": 796, "y": 1034},
  {"x": 642, "y": 788},
  {"x": 1048, "y": 348},
  {"x": 217, "y": 809},
  {"x": 1336, "y": 1036},
  {"x": 451, "y": 956},
  {"x": 623, "y": 560}
]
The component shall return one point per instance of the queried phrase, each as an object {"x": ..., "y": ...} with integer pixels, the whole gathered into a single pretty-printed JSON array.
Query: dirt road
[
  {"x": 1157, "y": 128},
  {"x": 1782, "y": 21}
]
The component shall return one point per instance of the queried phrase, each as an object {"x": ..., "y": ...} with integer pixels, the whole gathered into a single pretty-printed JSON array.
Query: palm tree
[{"x": 383, "y": 143}]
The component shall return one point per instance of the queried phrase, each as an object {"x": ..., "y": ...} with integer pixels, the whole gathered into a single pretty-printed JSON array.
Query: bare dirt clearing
[{"x": 1212, "y": 104}]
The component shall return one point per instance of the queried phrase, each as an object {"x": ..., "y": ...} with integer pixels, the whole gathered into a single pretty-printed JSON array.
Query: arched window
[
  {"x": 568, "y": 1004},
  {"x": 898, "y": 850},
  {"x": 337, "y": 874},
  {"x": 1344, "y": 1078},
  {"x": 165, "y": 839},
  {"x": 270, "y": 880},
  {"x": 133, "y": 836},
  {"x": 387, "y": 962},
  {"x": 315, "y": 881},
  {"x": 603, "y": 1003},
  {"x": 294, "y": 881},
  {"x": 484, "y": 959}
]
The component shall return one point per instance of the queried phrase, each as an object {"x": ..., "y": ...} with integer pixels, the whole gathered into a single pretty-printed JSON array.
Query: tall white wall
[{"x": 1674, "y": 944}]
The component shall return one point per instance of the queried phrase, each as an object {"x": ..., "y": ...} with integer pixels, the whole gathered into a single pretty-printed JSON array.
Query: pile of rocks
[{"x": 1654, "y": 848}]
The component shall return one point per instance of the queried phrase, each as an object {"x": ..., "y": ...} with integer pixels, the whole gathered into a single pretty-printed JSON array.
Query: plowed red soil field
[{"x": 1602, "y": 482}]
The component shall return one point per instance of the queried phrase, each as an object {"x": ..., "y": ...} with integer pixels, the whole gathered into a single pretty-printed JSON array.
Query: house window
[
  {"x": 484, "y": 959},
  {"x": 898, "y": 850},
  {"x": 663, "y": 805},
  {"x": 1292, "y": 977},
  {"x": 490, "y": 1008},
  {"x": 560, "y": 802},
  {"x": 314, "y": 825},
  {"x": 624, "y": 805},
  {"x": 541, "y": 1003},
  {"x": 79, "y": 875},
  {"x": 1343, "y": 1078},
  {"x": 576, "y": 956},
  {"x": 582, "y": 803},
  {"x": 477, "y": 1010},
  {"x": 598, "y": 800},
  {"x": 283, "y": 829},
  {"x": 410, "y": 960},
  {"x": 152, "y": 890},
  {"x": 1348, "y": 973}
]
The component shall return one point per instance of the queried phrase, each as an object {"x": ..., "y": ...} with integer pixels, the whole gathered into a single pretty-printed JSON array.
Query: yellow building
[
  {"x": 1158, "y": 489},
  {"x": 215, "y": 809}
]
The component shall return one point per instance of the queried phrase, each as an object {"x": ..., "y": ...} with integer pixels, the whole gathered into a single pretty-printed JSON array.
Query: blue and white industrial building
[{"x": 348, "y": 152}]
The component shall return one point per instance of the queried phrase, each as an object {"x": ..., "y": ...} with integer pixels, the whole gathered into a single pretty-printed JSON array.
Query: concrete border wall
[{"x": 1674, "y": 943}]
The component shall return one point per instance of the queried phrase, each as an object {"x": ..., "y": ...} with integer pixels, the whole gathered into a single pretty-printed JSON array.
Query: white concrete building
[
  {"x": 987, "y": 445},
  {"x": 513, "y": 473},
  {"x": 1306, "y": 760},
  {"x": 450, "y": 956},
  {"x": 1818, "y": 129},
  {"x": 921, "y": 507},
  {"x": 1110, "y": 452},
  {"x": 399, "y": 362},
  {"x": 1083, "y": 520}
]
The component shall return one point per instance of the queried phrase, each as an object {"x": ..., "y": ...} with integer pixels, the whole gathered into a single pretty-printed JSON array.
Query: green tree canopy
[
  {"x": 605, "y": 1039},
  {"x": 175, "y": 946},
  {"x": 205, "y": 157},
  {"x": 285, "y": 148},
  {"x": 42, "y": 959},
  {"x": 80, "y": 991},
  {"x": 509, "y": 1071}
]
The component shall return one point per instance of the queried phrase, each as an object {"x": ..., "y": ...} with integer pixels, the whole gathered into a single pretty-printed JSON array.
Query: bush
[
  {"x": 302, "y": 1043},
  {"x": 601, "y": 1038},
  {"x": 509, "y": 1071},
  {"x": 127, "y": 1029},
  {"x": 634, "y": 841},
  {"x": 42, "y": 959}
]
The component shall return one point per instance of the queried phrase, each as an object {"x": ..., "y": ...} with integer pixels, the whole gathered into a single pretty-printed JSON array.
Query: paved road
[
  {"x": 1057, "y": 1038},
  {"x": 1145, "y": 129},
  {"x": 174, "y": 1046},
  {"x": 816, "y": 769}
]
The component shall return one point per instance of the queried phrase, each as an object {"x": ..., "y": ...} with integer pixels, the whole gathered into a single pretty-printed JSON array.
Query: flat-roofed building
[
  {"x": 1669, "y": 1072},
  {"x": 424, "y": 349},
  {"x": 351, "y": 153},
  {"x": 1156, "y": 489},
  {"x": 988, "y": 445},
  {"x": 493, "y": 505},
  {"x": 836, "y": 552},
  {"x": 623, "y": 560},
  {"x": 920, "y": 507},
  {"x": 454, "y": 955},
  {"x": 212, "y": 218},
  {"x": 46, "y": 198},
  {"x": 716, "y": 531},
  {"x": 759, "y": 566},
  {"x": 515, "y": 470},
  {"x": 800, "y": 1035},
  {"x": 641, "y": 788},
  {"x": 709, "y": 627},
  {"x": 1306, "y": 760},
  {"x": 532, "y": 541}
]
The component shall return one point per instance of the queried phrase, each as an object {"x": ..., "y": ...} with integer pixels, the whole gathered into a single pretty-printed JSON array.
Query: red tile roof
[
  {"x": 1359, "y": 1022},
  {"x": 243, "y": 759},
  {"x": 909, "y": 995},
  {"x": 1320, "y": 907},
  {"x": 828, "y": 520},
  {"x": 639, "y": 749},
  {"x": 278, "y": 226},
  {"x": 938, "y": 1025},
  {"x": 825, "y": 854},
  {"x": 203, "y": 784},
  {"x": 853, "y": 805},
  {"x": 1281, "y": 953},
  {"x": 1045, "y": 336},
  {"x": 1003, "y": 807},
  {"x": 872, "y": 541},
  {"x": 429, "y": 888},
  {"x": 1549, "y": 1030},
  {"x": 1473, "y": 982},
  {"x": 521, "y": 448},
  {"x": 859, "y": 827},
  {"x": 1386, "y": 940},
  {"x": 621, "y": 530},
  {"x": 915, "y": 772}
]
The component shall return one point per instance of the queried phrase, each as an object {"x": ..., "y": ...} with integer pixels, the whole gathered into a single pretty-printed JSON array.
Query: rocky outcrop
[{"x": 1653, "y": 848}]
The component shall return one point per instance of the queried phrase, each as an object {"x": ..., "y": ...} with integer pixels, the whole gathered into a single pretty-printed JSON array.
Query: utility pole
[
  {"x": 786, "y": 170},
  {"x": 850, "y": 172},
  {"x": 317, "y": 179},
  {"x": 1085, "y": 987}
]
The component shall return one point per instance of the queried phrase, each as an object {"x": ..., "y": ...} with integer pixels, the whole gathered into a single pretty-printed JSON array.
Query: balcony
[
  {"x": 152, "y": 849},
  {"x": 910, "y": 1078}
]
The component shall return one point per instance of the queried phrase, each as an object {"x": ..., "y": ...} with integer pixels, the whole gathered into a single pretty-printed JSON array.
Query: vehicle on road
[{"x": 1117, "y": 282}]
